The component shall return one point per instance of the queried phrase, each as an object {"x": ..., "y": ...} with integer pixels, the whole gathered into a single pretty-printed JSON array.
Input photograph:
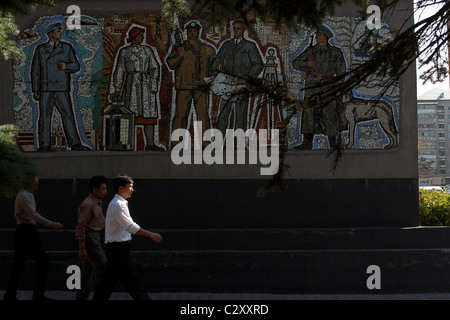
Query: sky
[{"x": 421, "y": 89}]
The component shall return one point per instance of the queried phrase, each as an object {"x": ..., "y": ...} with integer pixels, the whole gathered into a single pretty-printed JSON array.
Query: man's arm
[
  {"x": 72, "y": 65},
  {"x": 154, "y": 71},
  {"x": 304, "y": 61},
  {"x": 119, "y": 73},
  {"x": 211, "y": 57},
  {"x": 25, "y": 203},
  {"x": 175, "y": 58},
  {"x": 217, "y": 63},
  {"x": 36, "y": 74},
  {"x": 83, "y": 217},
  {"x": 156, "y": 237},
  {"x": 121, "y": 215},
  {"x": 256, "y": 61}
]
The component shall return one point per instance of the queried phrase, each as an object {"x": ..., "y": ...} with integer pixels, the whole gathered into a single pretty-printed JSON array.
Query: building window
[
  {"x": 427, "y": 134},
  {"x": 426, "y": 107},
  {"x": 426, "y": 116}
]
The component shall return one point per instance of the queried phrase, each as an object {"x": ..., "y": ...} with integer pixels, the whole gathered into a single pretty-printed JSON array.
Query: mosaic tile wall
[{"x": 121, "y": 82}]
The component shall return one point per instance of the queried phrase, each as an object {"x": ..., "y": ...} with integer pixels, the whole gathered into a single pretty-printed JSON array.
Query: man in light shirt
[
  {"x": 119, "y": 227},
  {"x": 27, "y": 242}
]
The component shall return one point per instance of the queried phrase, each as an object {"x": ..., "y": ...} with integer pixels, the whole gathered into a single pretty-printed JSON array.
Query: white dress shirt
[{"x": 119, "y": 225}]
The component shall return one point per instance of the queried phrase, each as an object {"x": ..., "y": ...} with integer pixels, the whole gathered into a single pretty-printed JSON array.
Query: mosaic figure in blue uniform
[{"x": 52, "y": 66}]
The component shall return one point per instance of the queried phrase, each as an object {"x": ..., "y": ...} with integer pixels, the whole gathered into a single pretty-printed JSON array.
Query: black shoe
[
  {"x": 42, "y": 298},
  {"x": 154, "y": 148},
  {"x": 303, "y": 146},
  {"x": 332, "y": 143},
  {"x": 307, "y": 143},
  {"x": 44, "y": 149},
  {"x": 79, "y": 147},
  {"x": 7, "y": 297}
]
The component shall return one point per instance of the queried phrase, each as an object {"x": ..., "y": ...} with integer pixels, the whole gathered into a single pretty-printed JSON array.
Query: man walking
[
  {"x": 27, "y": 242},
  {"x": 89, "y": 234},
  {"x": 119, "y": 227}
]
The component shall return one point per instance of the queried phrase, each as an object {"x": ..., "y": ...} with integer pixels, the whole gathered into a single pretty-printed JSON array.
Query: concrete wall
[{"x": 372, "y": 186}]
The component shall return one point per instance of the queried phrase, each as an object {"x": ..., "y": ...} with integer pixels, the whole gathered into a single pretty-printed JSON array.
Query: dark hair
[
  {"x": 96, "y": 181},
  {"x": 121, "y": 181},
  {"x": 240, "y": 21},
  {"x": 28, "y": 181}
]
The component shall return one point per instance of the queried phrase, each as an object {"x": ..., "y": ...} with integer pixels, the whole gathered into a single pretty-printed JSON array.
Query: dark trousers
[
  {"x": 119, "y": 268},
  {"x": 240, "y": 113},
  {"x": 27, "y": 242},
  {"x": 94, "y": 266},
  {"x": 61, "y": 100}
]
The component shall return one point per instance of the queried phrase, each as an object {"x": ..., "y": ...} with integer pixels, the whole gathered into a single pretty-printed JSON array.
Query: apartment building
[{"x": 433, "y": 108}]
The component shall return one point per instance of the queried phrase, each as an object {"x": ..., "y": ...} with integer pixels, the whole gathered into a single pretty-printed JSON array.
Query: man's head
[
  {"x": 123, "y": 186},
  {"x": 238, "y": 28},
  {"x": 193, "y": 30},
  {"x": 323, "y": 34},
  {"x": 136, "y": 35},
  {"x": 98, "y": 187},
  {"x": 30, "y": 182},
  {"x": 54, "y": 31}
]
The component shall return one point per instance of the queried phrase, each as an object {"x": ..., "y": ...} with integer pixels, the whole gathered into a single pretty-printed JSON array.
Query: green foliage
[
  {"x": 423, "y": 162},
  {"x": 172, "y": 11},
  {"x": 8, "y": 27},
  {"x": 16, "y": 171},
  {"x": 7, "y": 134},
  {"x": 423, "y": 40},
  {"x": 307, "y": 12},
  {"x": 434, "y": 208},
  {"x": 22, "y": 6}
]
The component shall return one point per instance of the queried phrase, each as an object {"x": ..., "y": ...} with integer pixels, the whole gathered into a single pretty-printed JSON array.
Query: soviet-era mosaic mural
[{"x": 121, "y": 82}]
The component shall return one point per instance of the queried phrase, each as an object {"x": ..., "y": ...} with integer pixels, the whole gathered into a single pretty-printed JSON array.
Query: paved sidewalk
[{"x": 163, "y": 296}]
